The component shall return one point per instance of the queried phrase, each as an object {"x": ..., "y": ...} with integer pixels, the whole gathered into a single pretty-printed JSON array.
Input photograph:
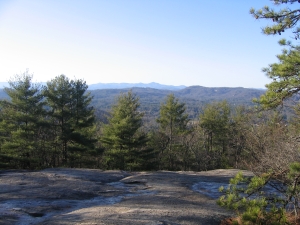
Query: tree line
[
  {"x": 54, "y": 125},
  {"x": 46, "y": 126}
]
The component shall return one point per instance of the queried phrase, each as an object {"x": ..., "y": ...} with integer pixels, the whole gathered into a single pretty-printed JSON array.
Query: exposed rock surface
[{"x": 85, "y": 196}]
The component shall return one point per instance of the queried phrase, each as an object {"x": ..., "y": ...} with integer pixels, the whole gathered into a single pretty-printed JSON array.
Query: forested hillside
[
  {"x": 105, "y": 97},
  {"x": 130, "y": 85},
  {"x": 194, "y": 97}
]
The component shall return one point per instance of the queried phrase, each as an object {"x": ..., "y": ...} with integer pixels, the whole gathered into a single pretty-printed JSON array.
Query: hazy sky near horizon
[{"x": 176, "y": 42}]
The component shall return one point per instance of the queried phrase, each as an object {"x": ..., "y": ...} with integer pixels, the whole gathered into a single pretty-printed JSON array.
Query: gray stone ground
[{"x": 85, "y": 196}]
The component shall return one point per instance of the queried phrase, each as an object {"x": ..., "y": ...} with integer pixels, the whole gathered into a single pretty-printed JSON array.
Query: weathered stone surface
[{"x": 85, "y": 196}]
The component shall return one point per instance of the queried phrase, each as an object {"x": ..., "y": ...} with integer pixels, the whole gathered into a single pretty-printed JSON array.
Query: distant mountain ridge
[
  {"x": 122, "y": 86},
  {"x": 194, "y": 97},
  {"x": 133, "y": 85},
  {"x": 198, "y": 93},
  {"x": 151, "y": 98}
]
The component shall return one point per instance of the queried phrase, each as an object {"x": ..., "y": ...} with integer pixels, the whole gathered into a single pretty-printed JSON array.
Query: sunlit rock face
[{"x": 74, "y": 196}]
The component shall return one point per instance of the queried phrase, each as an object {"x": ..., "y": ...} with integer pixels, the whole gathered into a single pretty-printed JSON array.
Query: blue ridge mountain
[
  {"x": 122, "y": 86},
  {"x": 151, "y": 98},
  {"x": 132, "y": 85}
]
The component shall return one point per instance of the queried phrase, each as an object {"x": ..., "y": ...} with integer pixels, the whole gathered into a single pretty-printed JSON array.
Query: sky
[{"x": 212, "y": 43}]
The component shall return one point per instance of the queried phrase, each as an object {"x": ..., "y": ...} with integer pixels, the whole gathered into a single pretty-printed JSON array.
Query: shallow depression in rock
[{"x": 209, "y": 188}]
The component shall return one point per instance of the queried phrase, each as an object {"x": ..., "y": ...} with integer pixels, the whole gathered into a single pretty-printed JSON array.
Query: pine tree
[
  {"x": 284, "y": 74},
  {"x": 215, "y": 122},
  {"x": 276, "y": 154},
  {"x": 239, "y": 126},
  {"x": 22, "y": 122},
  {"x": 122, "y": 136},
  {"x": 71, "y": 118},
  {"x": 285, "y": 79},
  {"x": 173, "y": 122},
  {"x": 282, "y": 19},
  {"x": 83, "y": 123}
]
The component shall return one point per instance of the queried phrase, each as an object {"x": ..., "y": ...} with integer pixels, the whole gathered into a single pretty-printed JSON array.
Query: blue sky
[{"x": 177, "y": 42}]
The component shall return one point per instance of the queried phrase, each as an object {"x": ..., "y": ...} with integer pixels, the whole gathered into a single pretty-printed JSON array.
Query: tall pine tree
[
  {"x": 72, "y": 119},
  {"x": 22, "y": 122},
  {"x": 173, "y": 122},
  {"x": 215, "y": 120},
  {"x": 122, "y": 136}
]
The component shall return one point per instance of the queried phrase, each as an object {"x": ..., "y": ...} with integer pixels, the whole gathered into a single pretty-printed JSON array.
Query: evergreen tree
[
  {"x": 284, "y": 74},
  {"x": 282, "y": 19},
  {"x": 239, "y": 126},
  {"x": 215, "y": 120},
  {"x": 173, "y": 122},
  {"x": 71, "y": 118},
  {"x": 285, "y": 79},
  {"x": 274, "y": 149},
  {"x": 122, "y": 136},
  {"x": 58, "y": 95},
  {"x": 83, "y": 123},
  {"x": 22, "y": 122},
  {"x": 158, "y": 141}
]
